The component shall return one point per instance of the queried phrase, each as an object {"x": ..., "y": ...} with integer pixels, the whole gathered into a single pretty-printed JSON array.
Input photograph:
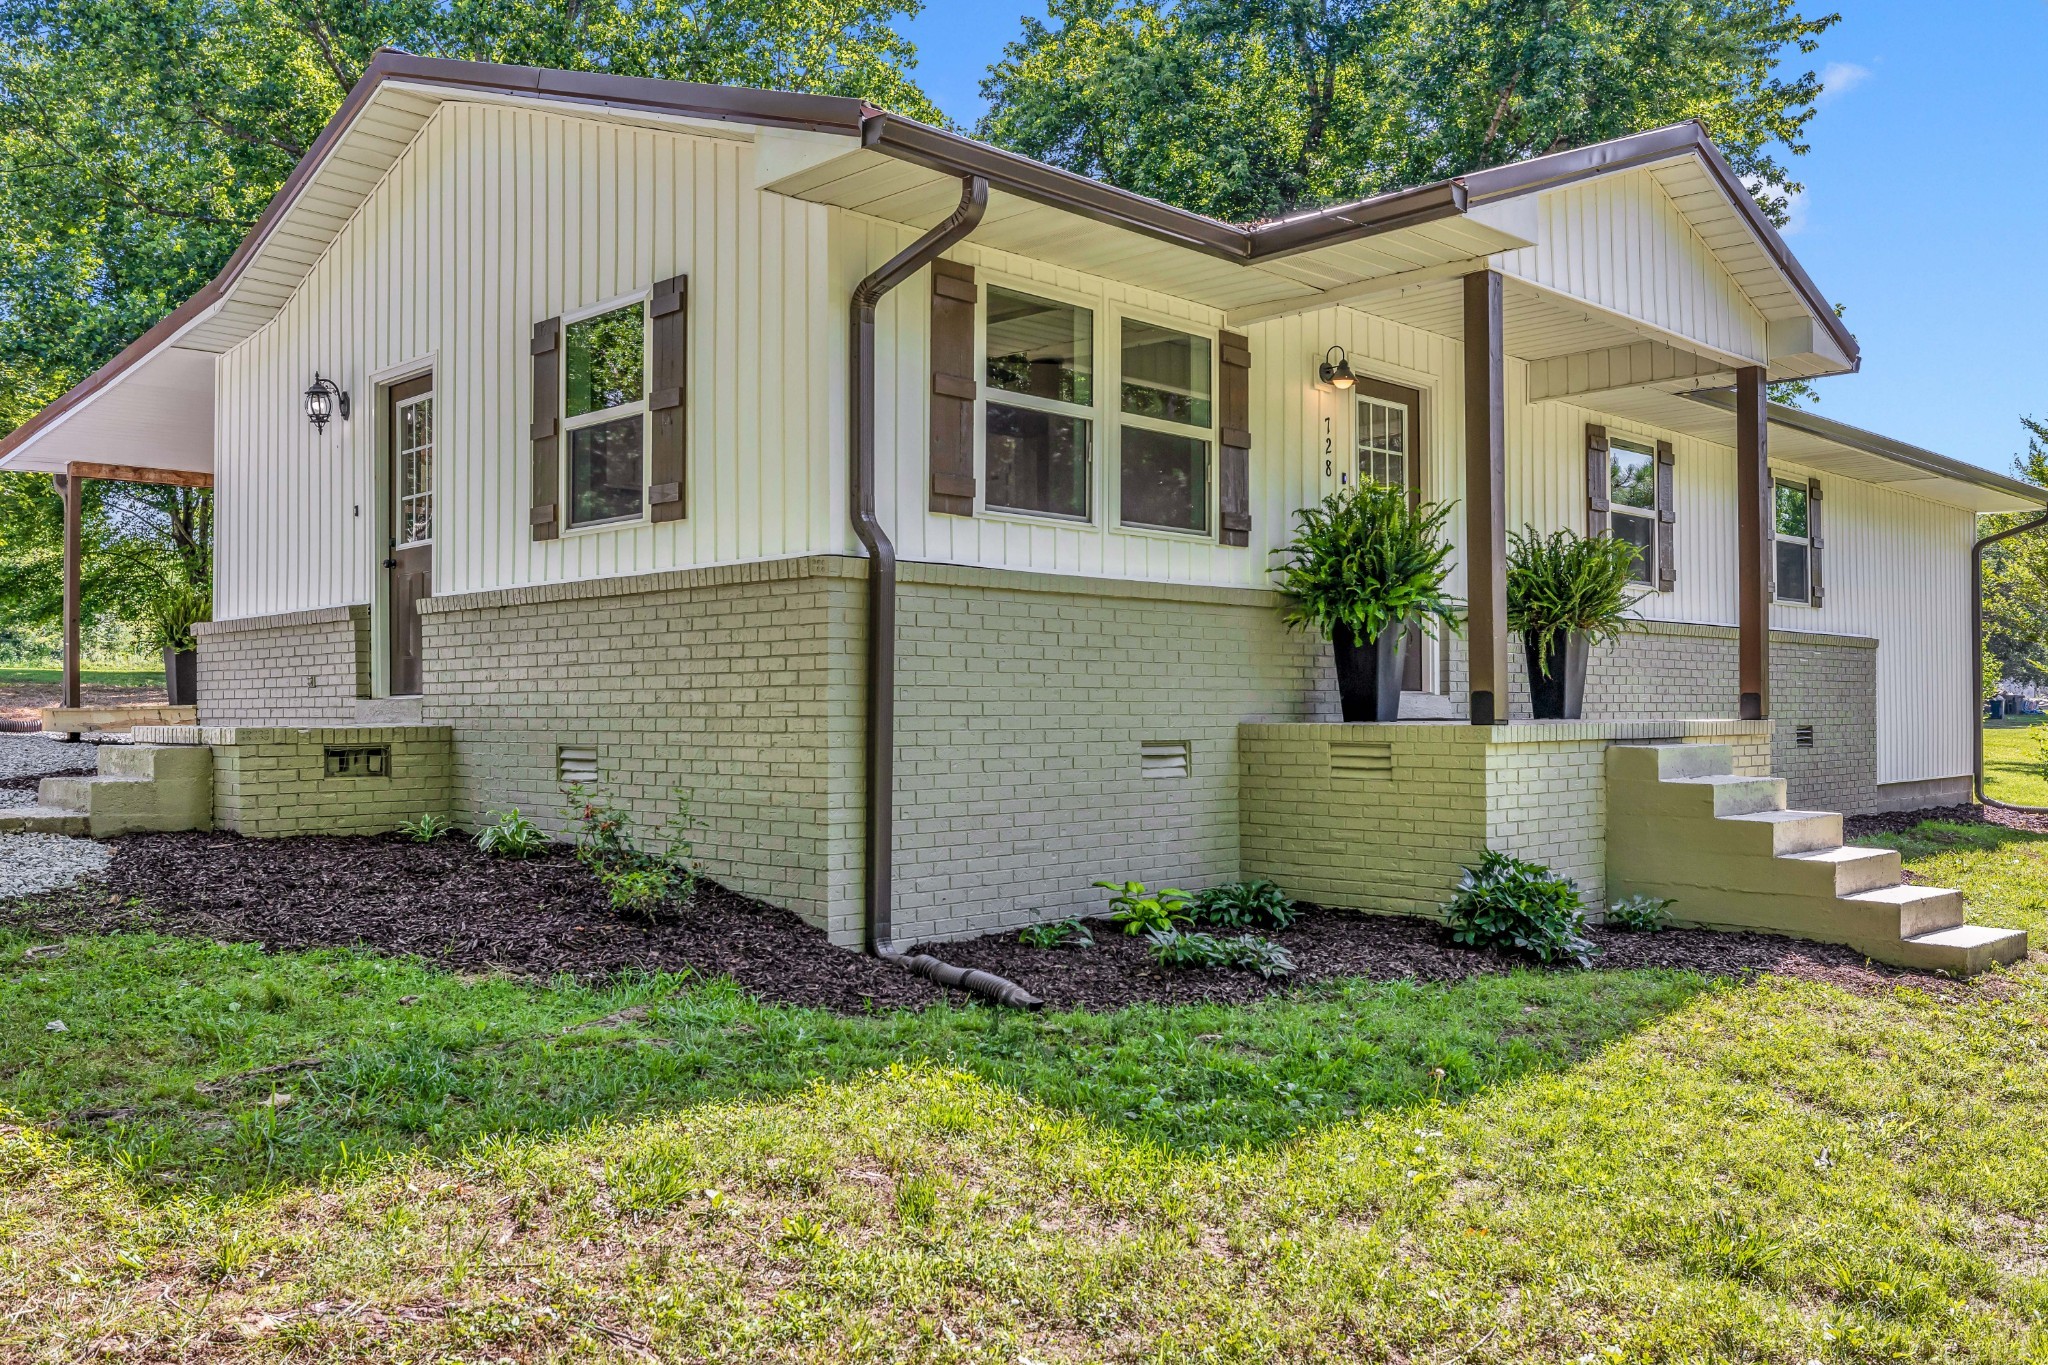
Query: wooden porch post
[
  {"x": 72, "y": 487},
  {"x": 1486, "y": 507},
  {"x": 1756, "y": 542}
]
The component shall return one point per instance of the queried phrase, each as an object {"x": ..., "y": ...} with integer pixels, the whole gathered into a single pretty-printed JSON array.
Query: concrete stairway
[
  {"x": 1729, "y": 854},
  {"x": 139, "y": 787}
]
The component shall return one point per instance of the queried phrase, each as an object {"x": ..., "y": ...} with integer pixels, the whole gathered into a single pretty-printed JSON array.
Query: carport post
[{"x": 72, "y": 487}]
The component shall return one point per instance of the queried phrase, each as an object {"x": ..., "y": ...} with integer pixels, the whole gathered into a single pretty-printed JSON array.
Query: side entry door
[{"x": 410, "y": 565}]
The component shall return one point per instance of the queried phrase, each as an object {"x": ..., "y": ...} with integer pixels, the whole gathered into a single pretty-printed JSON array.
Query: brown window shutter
[
  {"x": 546, "y": 515},
  {"x": 953, "y": 388},
  {"x": 1667, "y": 519},
  {"x": 1234, "y": 435},
  {"x": 1813, "y": 578},
  {"x": 1599, "y": 475},
  {"x": 667, "y": 411}
]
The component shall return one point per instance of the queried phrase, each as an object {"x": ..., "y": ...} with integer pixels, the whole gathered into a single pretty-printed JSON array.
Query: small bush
[
  {"x": 1245, "y": 905},
  {"x": 1066, "y": 933},
  {"x": 1249, "y": 952},
  {"x": 637, "y": 881},
  {"x": 1140, "y": 911},
  {"x": 1508, "y": 903},
  {"x": 510, "y": 835},
  {"x": 427, "y": 828},
  {"x": 1640, "y": 914}
]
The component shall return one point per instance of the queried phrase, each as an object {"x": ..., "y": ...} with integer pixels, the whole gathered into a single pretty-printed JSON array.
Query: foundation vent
[
  {"x": 366, "y": 761},
  {"x": 1802, "y": 736},
  {"x": 576, "y": 767},
  {"x": 1359, "y": 760},
  {"x": 1163, "y": 758}
]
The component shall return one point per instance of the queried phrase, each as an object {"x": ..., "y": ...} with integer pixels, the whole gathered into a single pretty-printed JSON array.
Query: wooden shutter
[
  {"x": 1813, "y": 581},
  {"x": 1234, "y": 436},
  {"x": 953, "y": 388},
  {"x": 1667, "y": 519},
  {"x": 667, "y": 413},
  {"x": 1599, "y": 476},
  {"x": 546, "y": 517}
]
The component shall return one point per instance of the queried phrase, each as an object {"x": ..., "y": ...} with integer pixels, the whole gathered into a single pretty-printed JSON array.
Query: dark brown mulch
[
  {"x": 1902, "y": 821},
  {"x": 468, "y": 911}
]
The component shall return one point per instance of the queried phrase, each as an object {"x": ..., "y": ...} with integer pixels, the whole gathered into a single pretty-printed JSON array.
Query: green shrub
[
  {"x": 636, "y": 880},
  {"x": 1066, "y": 933},
  {"x": 1566, "y": 583},
  {"x": 1141, "y": 911},
  {"x": 1173, "y": 948},
  {"x": 174, "y": 611},
  {"x": 427, "y": 828},
  {"x": 1640, "y": 914},
  {"x": 1364, "y": 562},
  {"x": 511, "y": 835},
  {"x": 1245, "y": 905},
  {"x": 1508, "y": 903}
]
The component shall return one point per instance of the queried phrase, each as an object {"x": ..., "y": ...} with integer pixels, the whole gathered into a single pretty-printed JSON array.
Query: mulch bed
[
  {"x": 544, "y": 917},
  {"x": 1903, "y": 821}
]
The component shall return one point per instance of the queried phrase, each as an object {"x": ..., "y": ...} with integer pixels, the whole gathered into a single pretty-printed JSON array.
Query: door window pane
[
  {"x": 1165, "y": 480},
  {"x": 1794, "y": 581},
  {"x": 1040, "y": 348},
  {"x": 416, "y": 472},
  {"x": 1383, "y": 442},
  {"x": 606, "y": 360},
  {"x": 1641, "y": 532},
  {"x": 604, "y": 470},
  {"x": 1037, "y": 461},
  {"x": 1633, "y": 481},
  {"x": 1166, "y": 374}
]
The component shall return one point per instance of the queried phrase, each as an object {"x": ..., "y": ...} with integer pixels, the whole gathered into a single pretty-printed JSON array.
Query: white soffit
[{"x": 159, "y": 416}]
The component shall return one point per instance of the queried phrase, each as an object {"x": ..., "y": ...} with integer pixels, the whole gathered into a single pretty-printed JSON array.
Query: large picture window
[
  {"x": 1040, "y": 430},
  {"x": 1795, "y": 543},
  {"x": 605, "y": 415},
  {"x": 1168, "y": 406},
  {"x": 1632, "y": 503}
]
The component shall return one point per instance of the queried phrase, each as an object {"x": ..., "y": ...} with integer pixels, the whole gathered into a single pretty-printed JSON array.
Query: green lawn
[
  {"x": 1611, "y": 1166},
  {"x": 90, "y": 677},
  {"x": 2016, "y": 761}
]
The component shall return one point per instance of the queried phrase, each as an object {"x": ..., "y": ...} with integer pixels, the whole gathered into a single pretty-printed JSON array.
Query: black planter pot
[
  {"x": 1561, "y": 695},
  {"x": 1369, "y": 675},
  {"x": 181, "y": 676}
]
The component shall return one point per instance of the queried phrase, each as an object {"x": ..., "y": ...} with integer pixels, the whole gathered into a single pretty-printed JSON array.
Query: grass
[
  {"x": 90, "y": 677},
  {"x": 1618, "y": 1166},
  {"x": 2016, "y": 760}
]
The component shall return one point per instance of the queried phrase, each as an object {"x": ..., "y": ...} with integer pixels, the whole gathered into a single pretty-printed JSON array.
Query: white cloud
[{"x": 1839, "y": 78}]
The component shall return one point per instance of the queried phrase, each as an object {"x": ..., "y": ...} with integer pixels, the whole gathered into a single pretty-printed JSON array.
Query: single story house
[{"x": 911, "y": 504}]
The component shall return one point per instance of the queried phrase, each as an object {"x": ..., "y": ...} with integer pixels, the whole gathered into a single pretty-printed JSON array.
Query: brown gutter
[
  {"x": 880, "y": 875},
  {"x": 1977, "y": 656}
]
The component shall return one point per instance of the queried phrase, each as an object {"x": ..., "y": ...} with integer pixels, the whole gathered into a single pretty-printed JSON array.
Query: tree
[
  {"x": 1251, "y": 108},
  {"x": 2016, "y": 581}
]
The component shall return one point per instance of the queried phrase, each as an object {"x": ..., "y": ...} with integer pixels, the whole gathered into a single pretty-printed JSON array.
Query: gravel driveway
[{"x": 30, "y": 863}]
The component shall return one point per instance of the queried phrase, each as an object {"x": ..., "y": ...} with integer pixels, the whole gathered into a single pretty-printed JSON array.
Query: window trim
[
  {"x": 985, "y": 393},
  {"x": 1211, "y": 435},
  {"x": 1799, "y": 485},
  {"x": 639, "y": 408},
  {"x": 1647, "y": 448}
]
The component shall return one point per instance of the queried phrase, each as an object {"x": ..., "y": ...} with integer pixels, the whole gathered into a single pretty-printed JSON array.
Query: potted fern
[
  {"x": 173, "y": 613},
  {"x": 1566, "y": 593},
  {"x": 1362, "y": 568}
]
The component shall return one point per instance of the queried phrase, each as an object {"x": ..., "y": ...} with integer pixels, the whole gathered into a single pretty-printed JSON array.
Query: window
[
  {"x": 1795, "y": 544},
  {"x": 1382, "y": 441},
  {"x": 605, "y": 415},
  {"x": 415, "y": 435},
  {"x": 1168, "y": 419},
  {"x": 1632, "y": 503},
  {"x": 1041, "y": 358}
]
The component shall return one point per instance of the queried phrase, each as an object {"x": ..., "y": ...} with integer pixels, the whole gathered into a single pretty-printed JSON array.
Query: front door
[
  {"x": 410, "y": 565},
  {"x": 1390, "y": 451}
]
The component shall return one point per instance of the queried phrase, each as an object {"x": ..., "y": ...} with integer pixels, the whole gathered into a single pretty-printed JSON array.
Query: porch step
[
  {"x": 43, "y": 820},
  {"x": 1729, "y": 855},
  {"x": 138, "y": 788}
]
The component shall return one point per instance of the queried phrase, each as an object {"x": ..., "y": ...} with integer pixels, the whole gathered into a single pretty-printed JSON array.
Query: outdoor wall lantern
[
  {"x": 324, "y": 401},
  {"x": 1337, "y": 376}
]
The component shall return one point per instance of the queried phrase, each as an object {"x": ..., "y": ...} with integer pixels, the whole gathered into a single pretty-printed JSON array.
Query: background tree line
[{"x": 140, "y": 139}]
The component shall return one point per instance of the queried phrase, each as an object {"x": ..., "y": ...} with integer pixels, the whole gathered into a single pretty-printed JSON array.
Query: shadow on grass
[
  {"x": 1930, "y": 838},
  {"x": 192, "y": 1066}
]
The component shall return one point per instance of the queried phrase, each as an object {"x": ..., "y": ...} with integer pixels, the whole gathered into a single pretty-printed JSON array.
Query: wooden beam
[
  {"x": 1486, "y": 499},
  {"x": 125, "y": 473},
  {"x": 73, "y": 490},
  {"x": 1756, "y": 544}
]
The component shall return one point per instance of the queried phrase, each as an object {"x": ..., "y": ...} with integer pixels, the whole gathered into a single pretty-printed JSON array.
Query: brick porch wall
[{"x": 296, "y": 668}]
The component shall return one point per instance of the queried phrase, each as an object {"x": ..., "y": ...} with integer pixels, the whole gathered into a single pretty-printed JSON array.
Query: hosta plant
[
  {"x": 1640, "y": 914},
  {"x": 1506, "y": 902},
  {"x": 1256, "y": 904},
  {"x": 1140, "y": 910},
  {"x": 1066, "y": 933},
  {"x": 1248, "y": 952}
]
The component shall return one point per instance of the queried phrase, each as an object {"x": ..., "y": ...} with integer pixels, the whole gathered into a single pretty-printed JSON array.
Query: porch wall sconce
[
  {"x": 324, "y": 402},
  {"x": 1338, "y": 375}
]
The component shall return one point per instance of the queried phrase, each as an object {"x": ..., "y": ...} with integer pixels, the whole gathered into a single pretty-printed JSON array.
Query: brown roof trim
[{"x": 1364, "y": 218}]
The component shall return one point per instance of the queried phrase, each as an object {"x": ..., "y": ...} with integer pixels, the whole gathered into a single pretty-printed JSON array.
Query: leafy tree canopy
[{"x": 1246, "y": 109}]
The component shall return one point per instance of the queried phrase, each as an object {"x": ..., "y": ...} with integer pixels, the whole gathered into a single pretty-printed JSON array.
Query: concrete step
[
  {"x": 65, "y": 793},
  {"x": 43, "y": 820},
  {"x": 156, "y": 762},
  {"x": 1852, "y": 869},
  {"x": 1666, "y": 762},
  {"x": 1962, "y": 951},
  {"x": 138, "y": 788},
  {"x": 1722, "y": 794},
  {"x": 1795, "y": 831},
  {"x": 1910, "y": 911}
]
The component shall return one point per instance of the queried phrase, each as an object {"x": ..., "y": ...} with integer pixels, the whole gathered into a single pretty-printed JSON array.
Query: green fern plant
[
  {"x": 1364, "y": 562},
  {"x": 1566, "y": 583}
]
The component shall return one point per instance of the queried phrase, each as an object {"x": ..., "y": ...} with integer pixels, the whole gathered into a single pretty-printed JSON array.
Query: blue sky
[{"x": 1925, "y": 207}]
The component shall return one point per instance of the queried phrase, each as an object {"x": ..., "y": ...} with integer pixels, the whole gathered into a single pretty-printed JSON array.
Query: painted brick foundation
[{"x": 299, "y": 668}]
